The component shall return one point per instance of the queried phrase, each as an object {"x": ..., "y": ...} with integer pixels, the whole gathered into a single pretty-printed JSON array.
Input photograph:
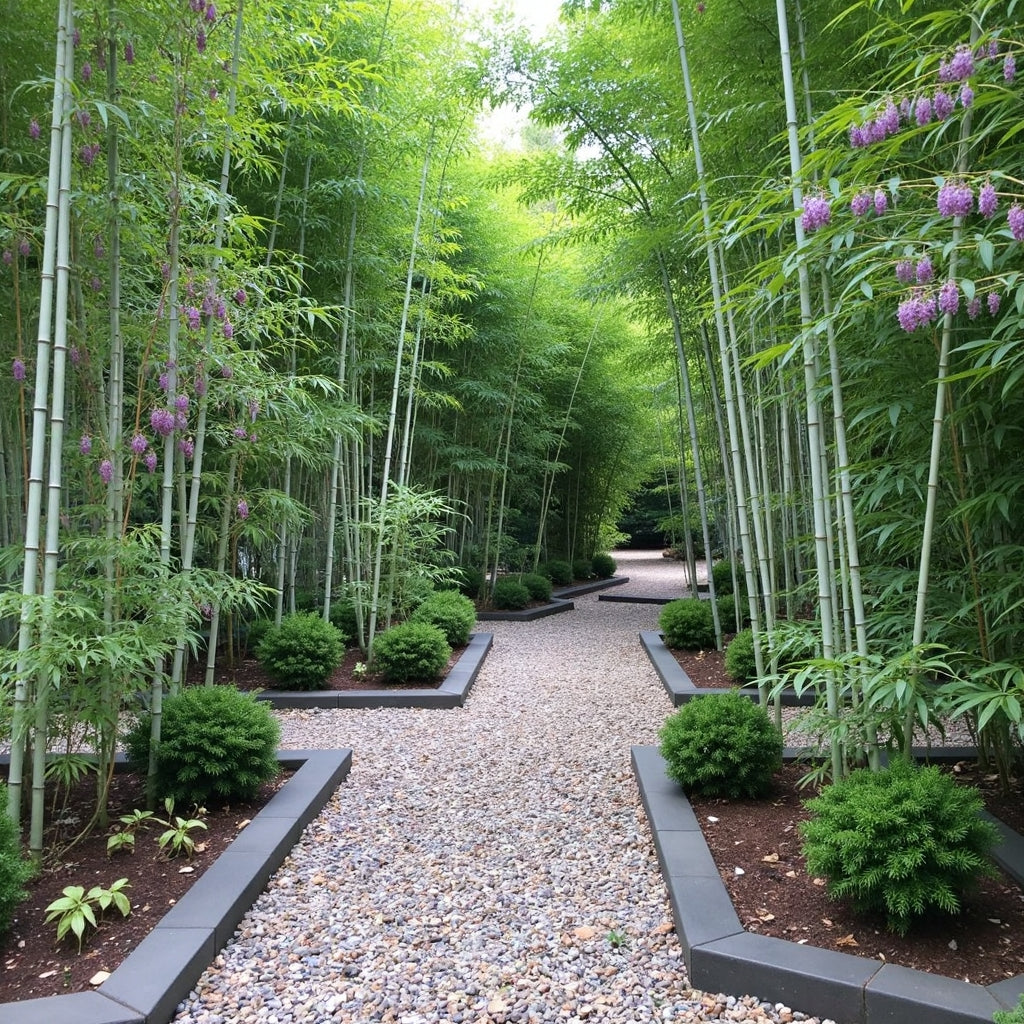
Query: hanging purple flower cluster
[{"x": 817, "y": 213}]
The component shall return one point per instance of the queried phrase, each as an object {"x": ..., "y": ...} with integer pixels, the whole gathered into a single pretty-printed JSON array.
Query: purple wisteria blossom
[
  {"x": 150, "y": 461},
  {"x": 165, "y": 270},
  {"x": 181, "y": 402},
  {"x": 187, "y": 447},
  {"x": 7, "y": 257},
  {"x": 923, "y": 111},
  {"x": 220, "y": 310},
  {"x": 955, "y": 199},
  {"x": 860, "y": 204},
  {"x": 33, "y": 129},
  {"x": 85, "y": 444},
  {"x": 106, "y": 471},
  {"x": 99, "y": 250},
  {"x": 974, "y": 308},
  {"x": 924, "y": 271},
  {"x": 163, "y": 381},
  {"x": 18, "y": 369},
  {"x": 129, "y": 53},
  {"x": 226, "y": 372},
  {"x": 95, "y": 283},
  {"x": 988, "y": 200},
  {"x": 200, "y": 387},
  {"x": 949, "y": 298},
  {"x": 1009, "y": 67},
  {"x": 75, "y": 355},
  {"x": 139, "y": 444},
  {"x": 254, "y": 410},
  {"x": 960, "y": 67},
  {"x": 240, "y": 433},
  {"x": 943, "y": 104},
  {"x": 87, "y": 72},
  {"x": 240, "y": 297},
  {"x": 211, "y": 13},
  {"x": 229, "y": 331},
  {"x": 881, "y": 201},
  {"x": 192, "y": 317},
  {"x": 201, "y": 41},
  {"x": 904, "y": 271},
  {"x": 243, "y": 508},
  {"x": 817, "y": 213},
  {"x": 162, "y": 421},
  {"x": 1015, "y": 218},
  {"x": 24, "y": 247},
  {"x": 993, "y": 301},
  {"x": 918, "y": 310},
  {"x": 966, "y": 96}
]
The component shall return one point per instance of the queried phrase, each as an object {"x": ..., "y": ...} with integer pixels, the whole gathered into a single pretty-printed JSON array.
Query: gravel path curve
[{"x": 490, "y": 864}]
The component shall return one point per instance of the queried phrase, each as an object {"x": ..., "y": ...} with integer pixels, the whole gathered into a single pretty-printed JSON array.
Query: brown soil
[
  {"x": 706, "y": 669},
  {"x": 775, "y": 895},
  {"x": 33, "y": 964}
]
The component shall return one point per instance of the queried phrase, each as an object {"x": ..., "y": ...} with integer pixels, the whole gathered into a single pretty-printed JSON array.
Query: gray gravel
[{"x": 488, "y": 864}]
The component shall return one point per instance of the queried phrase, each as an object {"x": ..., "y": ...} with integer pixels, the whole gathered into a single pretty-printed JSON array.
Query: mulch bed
[{"x": 32, "y": 964}]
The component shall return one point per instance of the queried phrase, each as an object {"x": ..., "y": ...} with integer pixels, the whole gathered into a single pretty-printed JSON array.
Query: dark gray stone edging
[
  {"x": 164, "y": 967},
  {"x": 702, "y": 592},
  {"x": 451, "y": 693},
  {"x": 680, "y": 687},
  {"x": 560, "y": 602},
  {"x": 721, "y": 957}
]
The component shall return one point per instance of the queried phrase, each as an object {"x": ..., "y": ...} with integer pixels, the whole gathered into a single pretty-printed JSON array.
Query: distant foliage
[
  {"x": 739, "y": 658},
  {"x": 343, "y": 617},
  {"x": 902, "y": 841},
  {"x": 721, "y": 745},
  {"x": 302, "y": 652},
  {"x": 216, "y": 745},
  {"x": 721, "y": 574},
  {"x": 411, "y": 652},
  {"x": 510, "y": 595},
  {"x": 558, "y": 571},
  {"x": 539, "y": 586},
  {"x": 15, "y": 870},
  {"x": 452, "y": 613},
  {"x": 687, "y": 624},
  {"x": 470, "y": 580},
  {"x": 603, "y": 566}
]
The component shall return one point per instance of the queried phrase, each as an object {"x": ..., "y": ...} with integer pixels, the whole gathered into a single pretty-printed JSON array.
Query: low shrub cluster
[
  {"x": 687, "y": 624},
  {"x": 721, "y": 745},
  {"x": 411, "y": 652},
  {"x": 452, "y": 613},
  {"x": 539, "y": 586},
  {"x": 217, "y": 744},
  {"x": 582, "y": 569},
  {"x": 558, "y": 571},
  {"x": 739, "y": 658},
  {"x": 302, "y": 652},
  {"x": 510, "y": 595},
  {"x": 603, "y": 566},
  {"x": 902, "y": 841}
]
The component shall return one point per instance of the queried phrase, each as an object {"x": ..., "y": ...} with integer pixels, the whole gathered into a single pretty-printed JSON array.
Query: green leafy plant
[
  {"x": 721, "y": 745},
  {"x": 1014, "y": 1016},
  {"x": 452, "y": 613},
  {"x": 582, "y": 569},
  {"x": 617, "y": 939},
  {"x": 603, "y": 566},
  {"x": 302, "y": 652},
  {"x": 727, "y": 612},
  {"x": 538, "y": 585},
  {"x": 123, "y": 840},
  {"x": 76, "y": 909},
  {"x": 558, "y": 571},
  {"x": 471, "y": 580},
  {"x": 510, "y": 595},
  {"x": 412, "y": 651},
  {"x": 217, "y": 745},
  {"x": 176, "y": 840},
  {"x": 15, "y": 869},
  {"x": 687, "y": 624},
  {"x": 900, "y": 841},
  {"x": 343, "y": 617},
  {"x": 739, "y": 657}
]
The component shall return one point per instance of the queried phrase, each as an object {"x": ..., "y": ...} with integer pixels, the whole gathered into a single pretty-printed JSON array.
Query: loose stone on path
[{"x": 486, "y": 864}]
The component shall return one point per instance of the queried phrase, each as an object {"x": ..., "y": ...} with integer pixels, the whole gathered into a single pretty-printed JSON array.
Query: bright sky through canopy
[{"x": 538, "y": 14}]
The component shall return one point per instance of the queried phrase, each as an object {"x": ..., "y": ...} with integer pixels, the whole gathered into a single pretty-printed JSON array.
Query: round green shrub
[
  {"x": 721, "y": 745},
  {"x": 603, "y": 566},
  {"x": 721, "y": 573},
  {"x": 727, "y": 612},
  {"x": 539, "y": 586},
  {"x": 471, "y": 580},
  {"x": 15, "y": 870},
  {"x": 558, "y": 571},
  {"x": 302, "y": 652},
  {"x": 582, "y": 569},
  {"x": 411, "y": 651},
  {"x": 901, "y": 841},
  {"x": 687, "y": 624},
  {"x": 510, "y": 595},
  {"x": 452, "y": 613},
  {"x": 739, "y": 657},
  {"x": 217, "y": 745},
  {"x": 343, "y": 617}
]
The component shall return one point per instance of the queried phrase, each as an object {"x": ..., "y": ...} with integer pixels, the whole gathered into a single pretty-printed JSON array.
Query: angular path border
[
  {"x": 680, "y": 687},
  {"x": 702, "y": 593},
  {"x": 721, "y": 956},
  {"x": 164, "y": 967},
  {"x": 560, "y": 602},
  {"x": 452, "y": 692}
]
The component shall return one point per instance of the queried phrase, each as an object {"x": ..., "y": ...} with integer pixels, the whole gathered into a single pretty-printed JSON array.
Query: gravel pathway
[{"x": 490, "y": 864}]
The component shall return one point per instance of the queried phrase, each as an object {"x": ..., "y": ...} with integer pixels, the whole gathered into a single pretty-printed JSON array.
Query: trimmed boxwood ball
[
  {"x": 539, "y": 586},
  {"x": 510, "y": 595},
  {"x": 687, "y": 624},
  {"x": 217, "y": 745},
  {"x": 302, "y": 652},
  {"x": 15, "y": 870},
  {"x": 411, "y": 651},
  {"x": 902, "y": 841},
  {"x": 582, "y": 569},
  {"x": 451, "y": 612},
  {"x": 603, "y": 566},
  {"x": 739, "y": 657},
  {"x": 558, "y": 571},
  {"x": 721, "y": 745}
]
